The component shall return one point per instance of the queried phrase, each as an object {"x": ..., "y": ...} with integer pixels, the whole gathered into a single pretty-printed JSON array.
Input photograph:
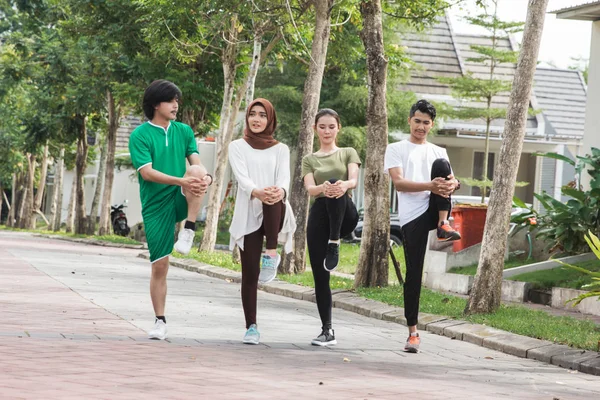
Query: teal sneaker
[
  {"x": 252, "y": 336},
  {"x": 268, "y": 268}
]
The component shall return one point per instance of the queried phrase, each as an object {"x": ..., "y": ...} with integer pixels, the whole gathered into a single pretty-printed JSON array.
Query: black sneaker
[
  {"x": 326, "y": 338},
  {"x": 332, "y": 257}
]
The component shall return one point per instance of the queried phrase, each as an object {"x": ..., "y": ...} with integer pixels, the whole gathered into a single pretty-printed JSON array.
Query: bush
[{"x": 564, "y": 225}]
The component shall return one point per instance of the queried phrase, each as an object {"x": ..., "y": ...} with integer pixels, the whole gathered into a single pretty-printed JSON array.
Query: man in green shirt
[{"x": 170, "y": 191}]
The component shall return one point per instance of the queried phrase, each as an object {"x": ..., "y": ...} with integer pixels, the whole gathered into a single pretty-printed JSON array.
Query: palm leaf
[{"x": 556, "y": 156}]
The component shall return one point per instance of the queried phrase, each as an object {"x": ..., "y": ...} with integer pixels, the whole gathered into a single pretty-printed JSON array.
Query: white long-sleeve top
[{"x": 258, "y": 169}]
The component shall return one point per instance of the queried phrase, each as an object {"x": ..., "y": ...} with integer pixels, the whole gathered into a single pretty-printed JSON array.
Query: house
[
  {"x": 556, "y": 125},
  {"x": 589, "y": 12}
]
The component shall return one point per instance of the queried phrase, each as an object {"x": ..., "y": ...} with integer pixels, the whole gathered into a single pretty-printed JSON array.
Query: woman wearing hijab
[{"x": 262, "y": 168}]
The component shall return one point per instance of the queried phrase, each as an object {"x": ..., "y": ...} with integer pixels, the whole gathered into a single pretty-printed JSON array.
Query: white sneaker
[
  {"x": 268, "y": 268},
  {"x": 252, "y": 336},
  {"x": 185, "y": 240},
  {"x": 159, "y": 331}
]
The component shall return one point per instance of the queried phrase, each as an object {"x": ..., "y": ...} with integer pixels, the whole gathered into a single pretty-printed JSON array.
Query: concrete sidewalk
[{"x": 73, "y": 327}]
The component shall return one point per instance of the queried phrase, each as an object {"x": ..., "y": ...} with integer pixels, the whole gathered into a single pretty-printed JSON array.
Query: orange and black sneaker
[
  {"x": 412, "y": 344},
  {"x": 445, "y": 233}
]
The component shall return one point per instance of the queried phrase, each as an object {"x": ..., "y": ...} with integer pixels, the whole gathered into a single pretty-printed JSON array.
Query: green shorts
[{"x": 159, "y": 224}]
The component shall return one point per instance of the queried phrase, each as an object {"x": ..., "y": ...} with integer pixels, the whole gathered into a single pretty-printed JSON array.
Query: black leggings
[
  {"x": 414, "y": 238},
  {"x": 328, "y": 219}
]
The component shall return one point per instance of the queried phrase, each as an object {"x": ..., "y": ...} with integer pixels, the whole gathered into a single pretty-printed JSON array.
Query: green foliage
[
  {"x": 515, "y": 319},
  {"x": 564, "y": 225},
  {"x": 484, "y": 87},
  {"x": 594, "y": 286},
  {"x": 564, "y": 277}
]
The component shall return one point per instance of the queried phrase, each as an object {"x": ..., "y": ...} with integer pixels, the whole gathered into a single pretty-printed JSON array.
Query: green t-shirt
[
  {"x": 332, "y": 166},
  {"x": 166, "y": 150}
]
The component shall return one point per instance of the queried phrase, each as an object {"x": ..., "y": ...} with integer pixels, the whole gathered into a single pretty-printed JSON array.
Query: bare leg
[
  {"x": 194, "y": 202},
  {"x": 158, "y": 285},
  {"x": 443, "y": 216}
]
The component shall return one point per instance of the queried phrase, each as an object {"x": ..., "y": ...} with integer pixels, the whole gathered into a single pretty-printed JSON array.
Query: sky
[{"x": 562, "y": 39}]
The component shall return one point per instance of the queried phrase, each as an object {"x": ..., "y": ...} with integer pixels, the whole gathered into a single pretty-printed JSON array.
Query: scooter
[{"x": 119, "y": 219}]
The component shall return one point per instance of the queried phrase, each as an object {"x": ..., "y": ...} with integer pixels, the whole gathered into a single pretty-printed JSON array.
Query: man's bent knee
[{"x": 197, "y": 171}]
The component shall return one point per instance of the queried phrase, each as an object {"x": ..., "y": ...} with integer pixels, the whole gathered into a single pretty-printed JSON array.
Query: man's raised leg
[{"x": 185, "y": 239}]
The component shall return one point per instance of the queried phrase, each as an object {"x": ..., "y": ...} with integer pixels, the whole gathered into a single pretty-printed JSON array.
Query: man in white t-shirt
[{"x": 421, "y": 173}]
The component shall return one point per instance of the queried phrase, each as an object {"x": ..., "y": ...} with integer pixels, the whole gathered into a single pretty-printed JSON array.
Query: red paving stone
[{"x": 55, "y": 344}]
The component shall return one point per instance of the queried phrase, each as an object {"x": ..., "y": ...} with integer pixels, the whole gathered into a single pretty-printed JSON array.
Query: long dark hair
[{"x": 159, "y": 91}]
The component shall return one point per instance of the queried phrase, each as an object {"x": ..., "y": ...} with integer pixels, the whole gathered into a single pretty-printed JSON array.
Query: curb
[
  {"x": 93, "y": 241},
  {"x": 521, "y": 346}
]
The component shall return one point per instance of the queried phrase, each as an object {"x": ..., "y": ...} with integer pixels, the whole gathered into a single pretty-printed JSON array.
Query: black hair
[
  {"x": 159, "y": 91},
  {"x": 327, "y": 111},
  {"x": 425, "y": 107}
]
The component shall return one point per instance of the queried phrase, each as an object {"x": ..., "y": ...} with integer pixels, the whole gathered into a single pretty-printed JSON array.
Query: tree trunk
[
  {"x": 70, "y": 223},
  {"x": 2, "y": 196},
  {"x": 373, "y": 258},
  {"x": 10, "y": 221},
  {"x": 226, "y": 132},
  {"x": 80, "y": 164},
  {"x": 298, "y": 196},
  {"x": 98, "y": 190},
  {"x": 214, "y": 195},
  {"x": 56, "y": 207},
  {"x": 39, "y": 196},
  {"x": 254, "y": 66},
  {"x": 114, "y": 116},
  {"x": 486, "y": 155},
  {"x": 27, "y": 203},
  {"x": 486, "y": 292}
]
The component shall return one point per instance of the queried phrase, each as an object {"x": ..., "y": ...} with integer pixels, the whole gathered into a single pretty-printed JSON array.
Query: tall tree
[
  {"x": 98, "y": 189},
  {"x": 486, "y": 86},
  {"x": 298, "y": 196},
  {"x": 57, "y": 198},
  {"x": 487, "y": 287},
  {"x": 41, "y": 190},
  {"x": 373, "y": 259}
]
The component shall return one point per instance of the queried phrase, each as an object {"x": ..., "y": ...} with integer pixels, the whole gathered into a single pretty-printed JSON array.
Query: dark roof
[
  {"x": 585, "y": 12},
  {"x": 440, "y": 52}
]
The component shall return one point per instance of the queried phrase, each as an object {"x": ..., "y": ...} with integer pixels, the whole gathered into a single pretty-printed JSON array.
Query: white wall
[
  {"x": 126, "y": 186},
  {"x": 591, "y": 136}
]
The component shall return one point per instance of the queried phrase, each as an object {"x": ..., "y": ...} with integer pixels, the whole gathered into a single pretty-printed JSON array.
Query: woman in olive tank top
[{"x": 328, "y": 176}]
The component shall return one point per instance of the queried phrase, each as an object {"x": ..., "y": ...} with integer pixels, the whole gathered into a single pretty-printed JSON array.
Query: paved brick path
[{"x": 73, "y": 321}]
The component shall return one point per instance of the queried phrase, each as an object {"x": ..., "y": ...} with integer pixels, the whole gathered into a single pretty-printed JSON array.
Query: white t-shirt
[{"x": 416, "y": 161}]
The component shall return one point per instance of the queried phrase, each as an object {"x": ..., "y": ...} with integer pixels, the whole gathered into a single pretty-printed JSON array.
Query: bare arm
[
  {"x": 189, "y": 183},
  {"x": 352, "y": 176},
  {"x": 311, "y": 186},
  {"x": 439, "y": 186},
  {"x": 149, "y": 174},
  {"x": 405, "y": 185},
  {"x": 341, "y": 187}
]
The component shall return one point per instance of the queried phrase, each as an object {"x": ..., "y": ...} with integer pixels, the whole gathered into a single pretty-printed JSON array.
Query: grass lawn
[
  {"x": 516, "y": 319},
  {"x": 472, "y": 269},
  {"x": 349, "y": 260},
  {"x": 560, "y": 277},
  {"x": 104, "y": 238}
]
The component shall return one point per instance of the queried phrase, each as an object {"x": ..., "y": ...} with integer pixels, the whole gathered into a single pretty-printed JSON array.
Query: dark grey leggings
[{"x": 328, "y": 219}]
